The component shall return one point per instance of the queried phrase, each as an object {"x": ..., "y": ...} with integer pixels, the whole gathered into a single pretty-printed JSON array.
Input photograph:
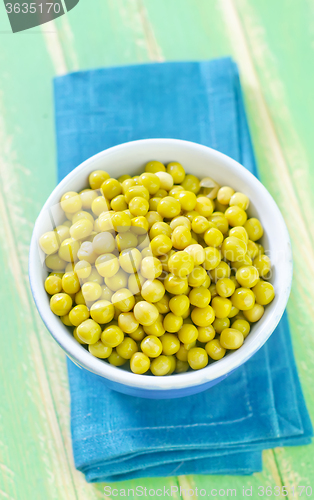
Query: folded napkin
[{"x": 220, "y": 431}]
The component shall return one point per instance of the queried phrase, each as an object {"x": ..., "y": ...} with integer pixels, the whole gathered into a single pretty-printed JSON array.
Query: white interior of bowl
[{"x": 130, "y": 158}]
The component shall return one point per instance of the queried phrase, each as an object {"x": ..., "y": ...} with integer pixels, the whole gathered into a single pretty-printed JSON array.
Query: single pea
[
  {"x": 200, "y": 296},
  {"x": 119, "y": 280},
  {"x": 181, "y": 366},
  {"x": 230, "y": 338},
  {"x": 150, "y": 181},
  {"x": 263, "y": 265},
  {"x": 123, "y": 300},
  {"x": 182, "y": 353},
  {"x": 177, "y": 172},
  {"x": 156, "y": 328},
  {"x": 121, "y": 222},
  {"x": 163, "y": 304},
  {"x": 118, "y": 204},
  {"x": 213, "y": 237},
  {"x": 68, "y": 250},
  {"x": 49, "y": 243},
  {"x": 53, "y": 285},
  {"x": 61, "y": 304},
  {"x": 221, "y": 306},
  {"x": 151, "y": 268},
  {"x": 247, "y": 276},
  {"x": 240, "y": 233},
  {"x": 212, "y": 258},
  {"x": 239, "y": 200},
  {"x": 55, "y": 263},
  {"x": 112, "y": 336},
  {"x": 155, "y": 166},
  {"x": 100, "y": 205},
  {"x": 82, "y": 269},
  {"x": 153, "y": 290},
  {"x": 152, "y": 217},
  {"x": 86, "y": 252},
  {"x": 213, "y": 290},
  {"x": 172, "y": 323},
  {"x": 77, "y": 338},
  {"x": 206, "y": 333},
  {"x": 135, "y": 283},
  {"x": 224, "y": 195},
  {"x": 128, "y": 323},
  {"x": 89, "y": 331},
  {"x": 220, "y": 324},
  {"x": 71, "y": 202},
  {"x": 254, "y": 314},
  {"x": 111, "y": 188},
  {"x": 107, "y": 265},
  {"x": 127, "y": 348},
  {"x": 252, "y": 249},
  {"x": 102, "y": 311},
  {"x": 254, "y": 229},
  {"x": 126, "y": 240},
  {"x": 264, "y": 292},
  {"x": 242, "y": 325},
  {"x": 204, "y": 206},
  {"x": 161, "y": 244},
  {"x": 203, "y": 316},
  {"x": 91, "y": 291},
  {"x": 79, "y": 299},
  {"x": 160, "y": 366},
  {"x": 187, "y": 200},
  {"x": 243, "y": 299},
  {"x": 170, "y": 344},
  {"x": 179, "y": 305},
  {"x": 166, "y": 180},
  {"x": 62, "y": 233},
  {"x": 200, "y": 224},
  {"x": 187, "y": 333},
  {"x": 181, "y": 237},
  {"x": 70, "y": 283},
  {"x": 169, "y": 207},
  {"x": 215, "y": 350},
  {"x": 140, "y": 363},
  {"x": 145, "y": 313},
  {"x": 197, "y": 277},
  {"x": 160, "y": 228},
  {"x": 116, "y": 360},
  {"x": 78, "y": 314},
  {"x": 66, "y": 320},
  {"x": 175, "y": 285},
  {"x": 87, "y": 197},
  {"x": 235, "y": 216},
  {"x": 225, "y": 287},
  {"x": 197, "y": 253},
  {"x": 191, "y": 183},
  {"x": 137, "y": 334},
  {"x": 175, "y": 189},
  {"x": 233, "y": 249},
  {"x": 197, "y": 358},
  {"x": 139, "y": 225},
  {"x": 151, "y": 346},
  {"x": 181, "y": 264},
  {"x": 130, "y": 260},
  {"x": 97, "y": 177},
  {"x": 104, "y": 243},
  {"x": 234, "y": 312},
  {"x": 94, "y": 277},
  {"x": 99, "y": 350},
  {"x": 220, "y": 221}
]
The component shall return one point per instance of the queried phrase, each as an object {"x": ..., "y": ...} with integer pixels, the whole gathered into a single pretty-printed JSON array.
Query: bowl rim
[{"x": 211, "y": 372}]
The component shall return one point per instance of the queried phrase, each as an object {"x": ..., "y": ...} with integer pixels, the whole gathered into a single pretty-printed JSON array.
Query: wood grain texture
[{"x": 273, "y": 45}]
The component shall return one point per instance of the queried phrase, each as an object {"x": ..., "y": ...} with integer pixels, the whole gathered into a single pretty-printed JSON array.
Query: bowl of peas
[{"x": 160, "y": 265}]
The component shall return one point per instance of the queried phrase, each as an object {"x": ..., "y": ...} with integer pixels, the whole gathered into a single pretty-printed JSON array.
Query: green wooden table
[{"x": 273, "y": 45}]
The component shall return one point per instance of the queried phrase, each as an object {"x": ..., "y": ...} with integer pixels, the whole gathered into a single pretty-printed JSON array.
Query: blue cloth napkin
[{"x": 220, "y": 431}]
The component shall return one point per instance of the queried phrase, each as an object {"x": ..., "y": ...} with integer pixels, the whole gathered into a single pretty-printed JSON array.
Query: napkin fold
[{"x": 220, "y": 431}]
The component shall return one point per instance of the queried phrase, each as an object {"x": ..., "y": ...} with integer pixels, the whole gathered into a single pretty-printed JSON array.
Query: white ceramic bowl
[{"x": 130, "y": 158}]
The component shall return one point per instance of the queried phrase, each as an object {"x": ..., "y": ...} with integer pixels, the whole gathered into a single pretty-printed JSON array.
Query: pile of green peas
[{"x": 158, "y": 270}]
